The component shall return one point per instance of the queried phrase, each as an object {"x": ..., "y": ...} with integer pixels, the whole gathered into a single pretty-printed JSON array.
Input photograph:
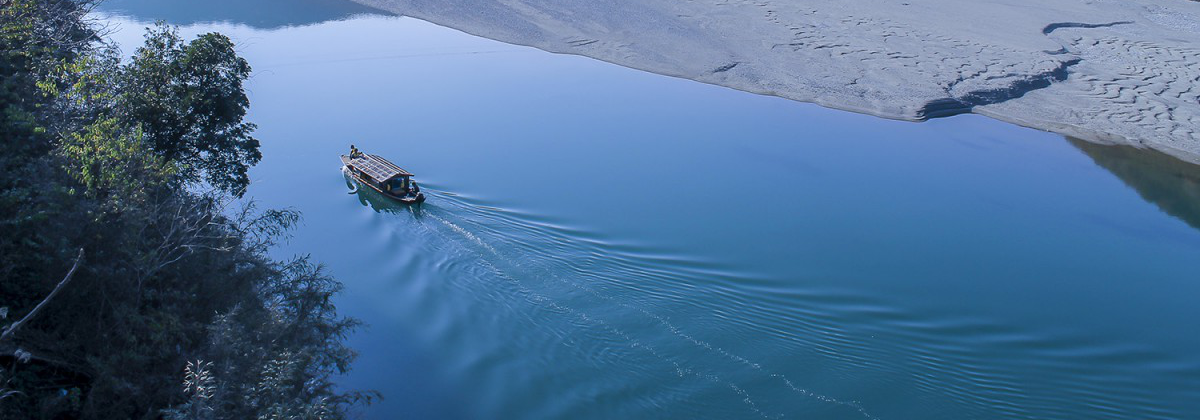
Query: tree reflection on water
[{"x": 1169, "y": 183}]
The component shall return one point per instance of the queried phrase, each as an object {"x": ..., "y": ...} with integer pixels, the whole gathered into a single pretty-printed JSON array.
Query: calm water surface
[{"x": 605, "y": 243}]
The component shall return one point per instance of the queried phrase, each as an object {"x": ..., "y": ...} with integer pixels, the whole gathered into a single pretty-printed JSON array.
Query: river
[{"x": 600, "y": 242}]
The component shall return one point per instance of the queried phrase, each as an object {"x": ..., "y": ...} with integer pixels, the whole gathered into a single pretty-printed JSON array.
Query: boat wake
[
  {"x": 584, "y": 318},
  {"x": 554, "y": 267}
]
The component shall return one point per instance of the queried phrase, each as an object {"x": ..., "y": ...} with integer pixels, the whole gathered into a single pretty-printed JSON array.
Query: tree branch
[{"x": 8, "y": 332}]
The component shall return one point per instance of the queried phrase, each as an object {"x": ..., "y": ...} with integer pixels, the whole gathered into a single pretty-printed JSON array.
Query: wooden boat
[{"x": 383, "y": 176}]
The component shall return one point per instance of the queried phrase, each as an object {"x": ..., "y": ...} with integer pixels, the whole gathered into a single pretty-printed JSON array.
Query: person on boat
[
  {"x": 415, "y": 189},
  {"x": 354, "y": 152}
]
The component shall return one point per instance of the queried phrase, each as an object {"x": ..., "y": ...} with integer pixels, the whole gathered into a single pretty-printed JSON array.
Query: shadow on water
[
  {"x": 261, "y": 14},
  {"x": 370, "y": 198},
  {"x": 1169, "y": 183}
]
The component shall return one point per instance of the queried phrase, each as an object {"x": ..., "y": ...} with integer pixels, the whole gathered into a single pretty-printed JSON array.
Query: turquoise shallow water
[{"x": 601, "y": 242}]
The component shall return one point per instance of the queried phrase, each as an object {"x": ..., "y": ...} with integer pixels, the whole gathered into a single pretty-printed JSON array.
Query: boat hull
[{"x": 406, "y": 199}]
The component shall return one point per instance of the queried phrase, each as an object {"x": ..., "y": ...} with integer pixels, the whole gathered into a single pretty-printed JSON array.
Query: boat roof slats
[{"x": 378, "y": 168}]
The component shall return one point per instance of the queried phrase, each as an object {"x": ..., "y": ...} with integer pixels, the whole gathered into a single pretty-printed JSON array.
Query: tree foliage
[
  {"x": 140, "y": 164},
  {"x": 187, "y": 97}
]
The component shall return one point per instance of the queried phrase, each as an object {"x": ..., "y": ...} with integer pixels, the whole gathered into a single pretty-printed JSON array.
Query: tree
[
  {"x": 95, "y": 153},
  {"x": 188, "y": 100}
]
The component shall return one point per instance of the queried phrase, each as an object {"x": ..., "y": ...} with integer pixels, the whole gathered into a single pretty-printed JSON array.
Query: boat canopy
[{"x": 378, "y": 168}]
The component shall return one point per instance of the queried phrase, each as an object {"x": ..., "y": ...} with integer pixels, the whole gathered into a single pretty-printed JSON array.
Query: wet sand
[{"x": 1106, "y": 71}]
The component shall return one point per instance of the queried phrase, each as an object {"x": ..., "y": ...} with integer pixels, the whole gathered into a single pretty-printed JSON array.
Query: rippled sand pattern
[
  {"x": 1127, "y": 90},
  {"x": 914, "y": 59}
]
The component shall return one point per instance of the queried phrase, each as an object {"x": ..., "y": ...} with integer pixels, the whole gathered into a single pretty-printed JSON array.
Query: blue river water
[{"x": 601, "y": 242}]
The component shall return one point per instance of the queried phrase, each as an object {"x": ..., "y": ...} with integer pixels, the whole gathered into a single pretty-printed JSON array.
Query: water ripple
[{"x": 621, "y": 308}]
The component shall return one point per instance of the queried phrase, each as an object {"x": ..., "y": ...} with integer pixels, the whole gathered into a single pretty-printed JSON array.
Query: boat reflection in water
[{"x": 376, "y": 201}]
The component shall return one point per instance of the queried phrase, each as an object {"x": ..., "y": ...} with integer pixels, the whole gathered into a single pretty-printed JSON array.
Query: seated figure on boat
[
  {"x": 354, "y": 152},
  {"x": 406, "y": 187}
]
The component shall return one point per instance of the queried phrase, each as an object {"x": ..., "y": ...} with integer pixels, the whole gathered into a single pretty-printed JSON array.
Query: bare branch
[{"x": 8, "y": 332}]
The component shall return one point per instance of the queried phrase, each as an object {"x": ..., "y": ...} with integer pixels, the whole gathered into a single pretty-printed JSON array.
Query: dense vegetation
[{"x": 127, "y": 174}]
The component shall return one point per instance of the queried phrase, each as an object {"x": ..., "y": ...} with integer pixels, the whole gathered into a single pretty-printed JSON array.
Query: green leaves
[
  {"x": 112, "y": 163},
  {"x": 83, "y": 82},
  {"x": 189, "y": 101},
  {"x": 118, "y": 158}
]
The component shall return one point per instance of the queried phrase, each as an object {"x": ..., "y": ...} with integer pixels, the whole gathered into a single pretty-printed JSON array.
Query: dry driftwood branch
[{"x": 8, "y": 332}]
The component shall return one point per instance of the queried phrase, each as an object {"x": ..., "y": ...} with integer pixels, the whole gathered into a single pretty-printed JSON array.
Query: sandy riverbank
[{"x": 1109, "y": 71}]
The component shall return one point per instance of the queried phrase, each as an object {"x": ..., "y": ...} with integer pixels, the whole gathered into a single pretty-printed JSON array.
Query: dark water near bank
[{"x": 605, "y": 243}]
